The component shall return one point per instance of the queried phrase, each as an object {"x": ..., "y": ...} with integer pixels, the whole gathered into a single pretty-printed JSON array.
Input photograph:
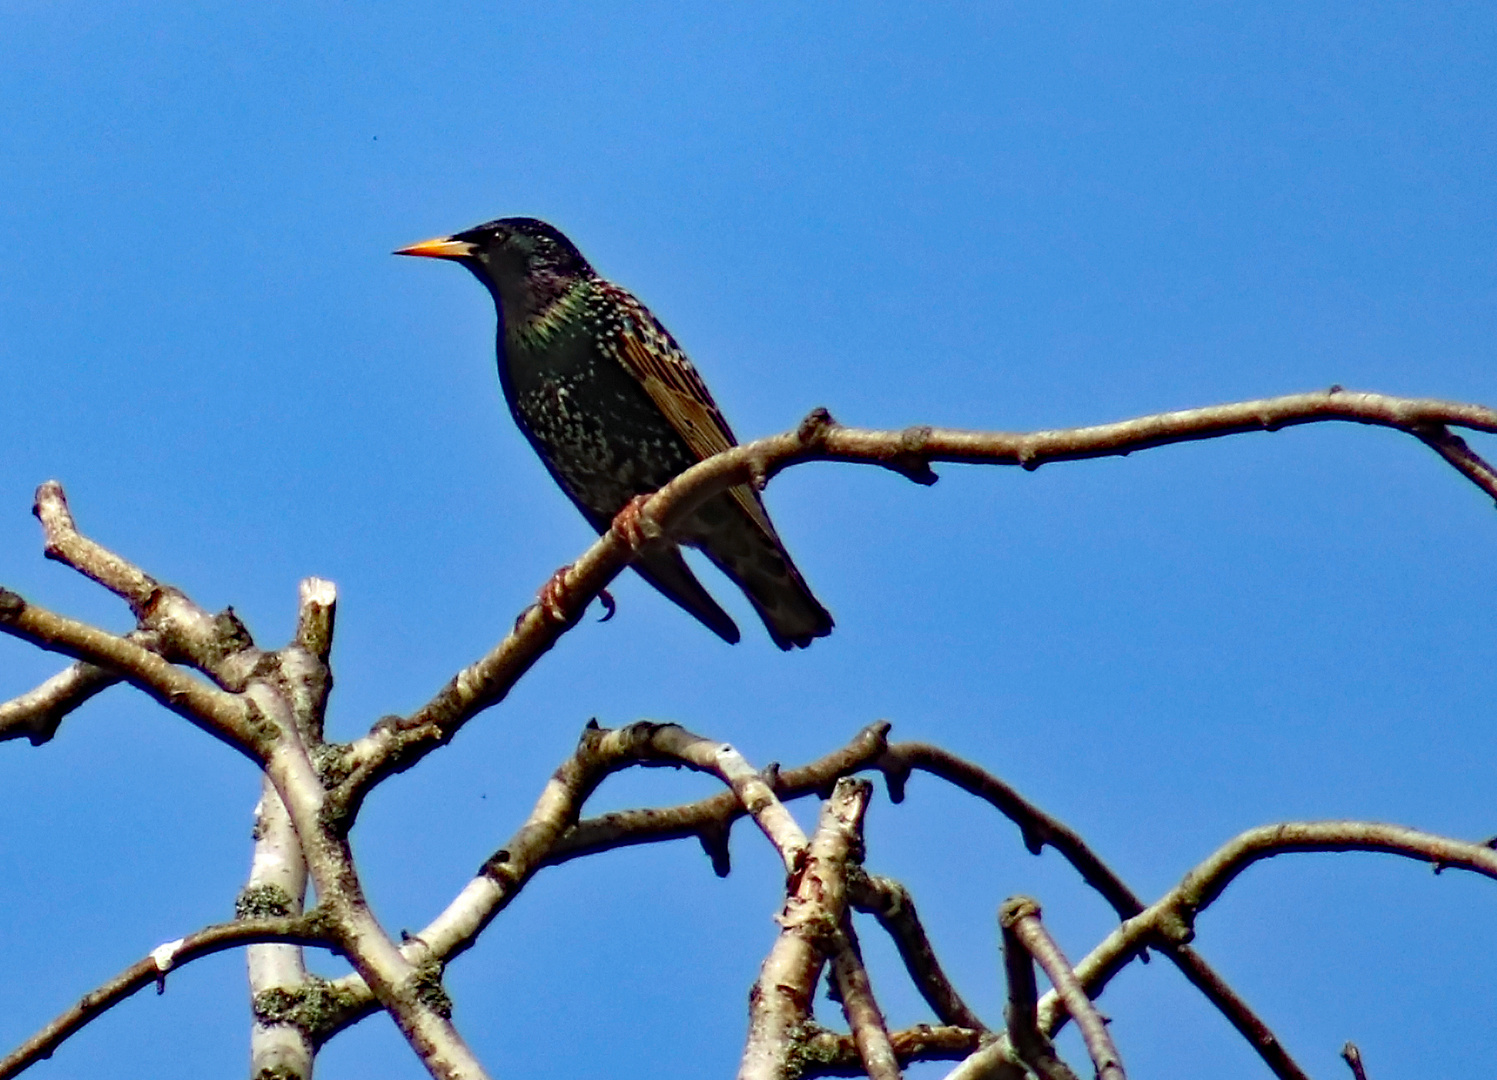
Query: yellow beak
[{"x": 442, "y": 247}]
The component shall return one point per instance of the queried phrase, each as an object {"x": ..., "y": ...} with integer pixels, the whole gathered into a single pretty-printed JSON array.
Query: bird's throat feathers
[{"x": 549, "y": 305}]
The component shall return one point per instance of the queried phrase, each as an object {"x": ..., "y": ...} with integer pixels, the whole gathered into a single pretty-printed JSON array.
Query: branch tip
[{"x": 1353, "y": 1058}]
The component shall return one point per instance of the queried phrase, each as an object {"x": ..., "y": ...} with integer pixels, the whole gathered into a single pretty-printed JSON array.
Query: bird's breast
[{"x": 591, "y": 422}]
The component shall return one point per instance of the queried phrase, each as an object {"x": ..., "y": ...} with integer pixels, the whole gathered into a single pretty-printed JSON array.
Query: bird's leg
[{"x": 636, "y": 530}]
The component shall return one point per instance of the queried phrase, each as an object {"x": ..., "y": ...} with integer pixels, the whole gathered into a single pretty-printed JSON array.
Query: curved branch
[
  {"x": 305, "y": 930},
  {"x": 218, "y": 713},
  {"x": 552, "y": 836},
  {"x": 1171, "y": 919},
  {"x": 169, "y": 623},
  {"x": 1037, "y": 827},
  {"x": 396, "y": 743}
]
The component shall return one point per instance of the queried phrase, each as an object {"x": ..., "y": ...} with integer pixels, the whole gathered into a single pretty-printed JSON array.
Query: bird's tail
[
  {"x": 667, "y": 571},
  {"x": 759, "y": 564}
]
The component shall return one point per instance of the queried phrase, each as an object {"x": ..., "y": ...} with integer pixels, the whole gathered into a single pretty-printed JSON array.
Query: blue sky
[{"x": 1005, "y": 216}]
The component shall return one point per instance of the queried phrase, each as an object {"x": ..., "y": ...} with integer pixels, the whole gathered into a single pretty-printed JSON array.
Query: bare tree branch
[
  {"x": 396, "y": 743},
  {"x": 220, "y": 714},
  {"x": 270, "y": 707},
  {"x": 169, "y": 624},
  {"x": 1020, "y": 922},
  {"x": 277, "y": 886},
  {"x": 1237, "y": 1011},
  {"x": 1353, "y": 1058},
  {"x": 1172, "y": 917},
  {"x": 1031, "y": 1046},
  {"x": 891, "y": 904},
  {"x": 826, "y": 1053},
  {"x": 869, "y": 1033},
  {"x": 1039, "y": 829},
  {"x": 780, "y": 1002},
  {"x": 38, "y": 713},
  {"x": 152, "y": 969},
  {"x": 64, "y": 543},
  {"x": 551, "y": 836}
]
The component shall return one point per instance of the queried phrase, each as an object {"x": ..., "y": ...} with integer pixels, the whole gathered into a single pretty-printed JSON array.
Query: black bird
[{"x": 615, "y": 410}]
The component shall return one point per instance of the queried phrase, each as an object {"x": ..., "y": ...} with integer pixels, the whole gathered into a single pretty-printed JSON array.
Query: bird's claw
[
  {"x": 633, "y": 527},
  {"x": 553, "y": 597}
]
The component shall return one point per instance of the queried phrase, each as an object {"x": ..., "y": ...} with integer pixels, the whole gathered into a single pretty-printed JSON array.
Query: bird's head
[{"x": 527, "y": 264}]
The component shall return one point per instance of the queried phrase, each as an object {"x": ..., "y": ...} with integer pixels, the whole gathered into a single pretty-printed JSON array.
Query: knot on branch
[
  {"x": 1035, "y": 836},
  {"x": 498, "y": 869},
  {"x": 260, "y": 727},
  {"x": 1176, "y": 926},
  {"x": 230, "y": 635},
  {"x": 714, "y": 840},
  {"x": 896, "y": 770},
  {"x": 813, "y": 1049},
  {"x": 813, "y": 430},
  {"x": 912, "y": 459},
  {"x": 590, "y": 739},
  {"x": 263, "y": 902},
  {"x": 11, "y": 605},
  {"x": 639, "y": 736}
]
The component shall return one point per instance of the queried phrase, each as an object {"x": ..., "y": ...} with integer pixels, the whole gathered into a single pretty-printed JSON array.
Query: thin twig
[
  {"x": 1020, "y": 919},
  {"x": 1353, "y": 1058},
  {"x": 152, "y": 969},
  {"x": 218, "y": 713},
  {"x": 891, "y": 904},
  {"x": 869, "y": 1032},
  {"x": 1032, "y": 1047}
]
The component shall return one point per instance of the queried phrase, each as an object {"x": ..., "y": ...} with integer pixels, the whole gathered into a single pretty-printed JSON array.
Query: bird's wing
[{"x": 651, "y": 355}]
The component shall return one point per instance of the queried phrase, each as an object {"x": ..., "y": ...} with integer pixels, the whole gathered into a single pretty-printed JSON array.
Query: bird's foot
[
  {"x": 636, "y": 530},
  {"x": 553, "y": 597}
]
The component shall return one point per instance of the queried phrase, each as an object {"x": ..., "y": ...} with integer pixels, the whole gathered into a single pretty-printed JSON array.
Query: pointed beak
[{"x": 443, "y": 247}]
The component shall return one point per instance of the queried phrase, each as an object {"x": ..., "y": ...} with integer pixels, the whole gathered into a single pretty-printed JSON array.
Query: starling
[{"x": 615, "y": 410}]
